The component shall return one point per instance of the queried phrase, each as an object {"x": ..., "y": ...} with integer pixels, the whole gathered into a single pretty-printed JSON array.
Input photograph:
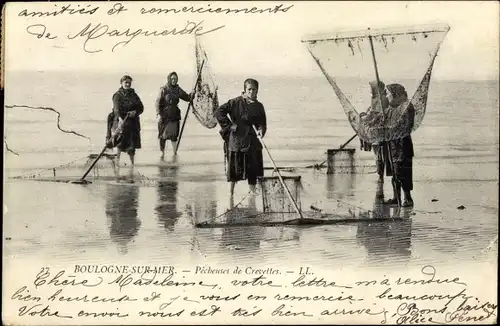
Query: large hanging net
[
  {"x": 205, "y": 101},
  {"x": 397, "y": 60}
]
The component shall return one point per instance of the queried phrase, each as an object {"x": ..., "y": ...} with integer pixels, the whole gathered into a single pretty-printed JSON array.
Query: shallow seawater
[{"x": 154, "y": 219}]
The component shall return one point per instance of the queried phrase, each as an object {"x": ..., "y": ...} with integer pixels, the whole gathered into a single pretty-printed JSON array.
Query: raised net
[
  {"x": 205, "y": 101},
  {"x": 351, "y": 60}
]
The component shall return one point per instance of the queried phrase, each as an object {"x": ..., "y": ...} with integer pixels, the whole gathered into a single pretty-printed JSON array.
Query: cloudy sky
[{"x": 258, "y": 44}]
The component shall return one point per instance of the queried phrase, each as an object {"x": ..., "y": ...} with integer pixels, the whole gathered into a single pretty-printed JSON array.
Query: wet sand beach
[{"x": 153, "y": 220}]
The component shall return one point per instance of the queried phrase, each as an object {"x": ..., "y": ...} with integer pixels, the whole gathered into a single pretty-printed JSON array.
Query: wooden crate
[
  {"x": 341, "y": 160},
  {"x": 274, "y": 196}
]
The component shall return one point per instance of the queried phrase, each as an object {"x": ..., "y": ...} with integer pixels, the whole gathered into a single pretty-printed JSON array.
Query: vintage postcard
[{"x": 261, "y": 162}]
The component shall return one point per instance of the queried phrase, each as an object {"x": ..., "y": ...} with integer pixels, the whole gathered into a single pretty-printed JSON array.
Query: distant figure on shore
[
  {"x": 401, "y": 149},
  {"x": 168, "y": 113},
  {"x": 242, "y": 148},
  {"x": 127, "y": 107}
]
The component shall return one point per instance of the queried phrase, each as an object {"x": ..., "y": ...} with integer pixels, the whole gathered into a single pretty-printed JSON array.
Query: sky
[{"x": 255, "y": 44}]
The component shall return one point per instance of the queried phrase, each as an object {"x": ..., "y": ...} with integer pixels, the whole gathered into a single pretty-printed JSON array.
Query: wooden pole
[
  {"x": 341, "y": 147},
  {"x": 279, "y": 174},
  {"x": 379, "y": 96},
  {"x": 82, "y": 179},
  {"x": 189, "y": 107}
]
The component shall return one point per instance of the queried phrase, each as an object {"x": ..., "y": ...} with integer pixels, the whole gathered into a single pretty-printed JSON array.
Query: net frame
[
  {"x": 397, "y": 126},
  {"x": 206, "y": 100}
]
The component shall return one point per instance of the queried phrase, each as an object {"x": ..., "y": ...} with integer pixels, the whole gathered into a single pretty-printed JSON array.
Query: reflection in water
[
  {"x": 339, "y": 186},
  {"x": 247, "y": 237},
  {"x": 203, "y": 206},
  {"x": 166, "y": 208},
  {"x": 391, "y": 238},
  {"x": 121, "y": 210}
]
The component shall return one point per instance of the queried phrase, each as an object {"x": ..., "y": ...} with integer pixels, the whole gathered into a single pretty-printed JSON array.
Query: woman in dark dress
[
  {"x": 242, "y": 148},
  {"x": 168, "y": 112},
  {"x": 127, "y": 104},
  {"x": 401, "y": 149}
]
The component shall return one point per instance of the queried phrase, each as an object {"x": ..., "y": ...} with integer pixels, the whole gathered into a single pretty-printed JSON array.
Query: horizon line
[{"x": 229, "y": 74}]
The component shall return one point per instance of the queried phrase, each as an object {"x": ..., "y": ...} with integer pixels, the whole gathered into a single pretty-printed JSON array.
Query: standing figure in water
[
  {"x": 401, "y": 149},
  {"x": 242, "y": 148},
  {"x": 168, "y": 113},
  {"x": 380, "y": 148},
  {"x": 127, "y": 104}
]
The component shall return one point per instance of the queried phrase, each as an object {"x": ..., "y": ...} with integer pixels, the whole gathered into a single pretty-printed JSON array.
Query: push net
[
  {"x": 205, "y": 101},
  {"x": 354, "y": 61}
]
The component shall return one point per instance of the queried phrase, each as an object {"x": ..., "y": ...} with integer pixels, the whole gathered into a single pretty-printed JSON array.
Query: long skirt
[
  {"x": 244, "y": 165},
  {"x": 169, "y": 130},
  {"x": 403, "y": 173},
  {"x": 130, "y": 138},
  {"x": 382, "y": 159},
  {"x": 401, "y": 151},
  {"x": 110, "y": 121}
]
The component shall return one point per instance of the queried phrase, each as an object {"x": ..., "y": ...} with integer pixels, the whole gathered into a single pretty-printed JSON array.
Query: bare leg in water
[
  {"x": 396, "y": 188},
  {"x": 253, "y": 189},
  {"x": 408, "y": 202},
  {"x": 231, "y": 188},
  {"x": 117, "y": 162},
  {"x": 163, "y": 143},
  {"x": 132, "y": 162},
  {"x": 174, "y": 145}
]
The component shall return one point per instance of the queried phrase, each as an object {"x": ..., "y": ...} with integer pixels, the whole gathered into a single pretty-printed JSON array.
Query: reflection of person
[
  {"x": 386, "y": 238},
  {"x": 126, "y": 103},
  {"x": 121, "y": 210},
  {"x": 401, "y": 149},
  {"x": 168, "y": 112},
  {"x": 243, "y": 151},
  {"x": 166, "y": 208},
  {"x": 241, "y": 237}
]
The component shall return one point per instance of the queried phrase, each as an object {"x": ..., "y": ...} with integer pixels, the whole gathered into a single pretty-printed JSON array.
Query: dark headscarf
[
  {"x": 169, "y": 77},
  {"x": 398, "y": 93}
]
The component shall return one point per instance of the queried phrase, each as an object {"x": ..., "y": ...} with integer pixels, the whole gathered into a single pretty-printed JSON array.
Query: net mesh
[
  {"x": 351, "y": 61},
  {"x": 206, "y": 100}
]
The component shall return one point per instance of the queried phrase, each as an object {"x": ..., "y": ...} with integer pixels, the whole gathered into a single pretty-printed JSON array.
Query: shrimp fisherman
[
  {"x": 394, "y": 155},
  {"x": 127, "y": 107},
  {"x": 401, "y": 149},
  {"x": 379, "y": 148},
  {"x": 168, "y": 113},
  {"x": 242, "y": 148}
]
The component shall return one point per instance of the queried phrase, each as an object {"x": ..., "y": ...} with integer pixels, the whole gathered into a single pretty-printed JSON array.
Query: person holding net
[
  {"x": 378, "y": 147},
  {"x": 242, "y": 148},
  {"x": 168, "y": 113},
  {"x": 391, "y": 129},
  {"x": 400, "y": 146},
  {"x": 127, "y": 107}
]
